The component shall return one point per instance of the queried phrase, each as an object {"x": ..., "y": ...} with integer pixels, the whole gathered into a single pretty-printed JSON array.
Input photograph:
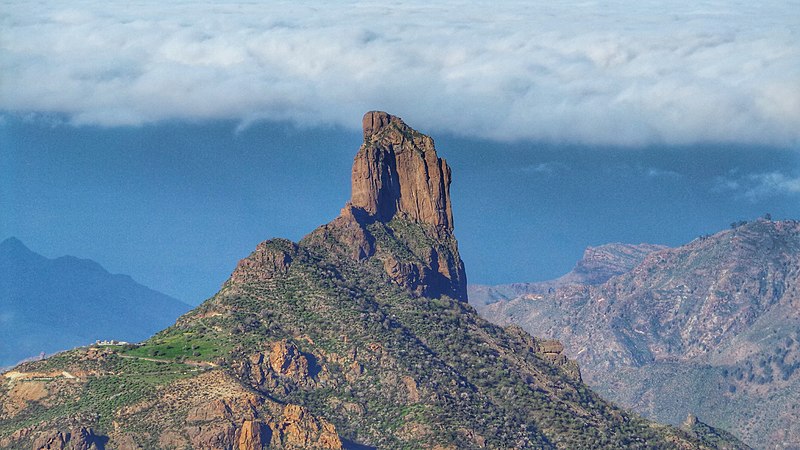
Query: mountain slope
[
  {"x": 47, "y": 305},
  {"x": 358, "y": 336},
  {"x": 597, "y": 265},
  {"x": 710, "y": 328}
]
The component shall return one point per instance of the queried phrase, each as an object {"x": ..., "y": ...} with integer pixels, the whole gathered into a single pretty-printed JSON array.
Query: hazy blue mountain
[{"x": 47, "y": 305}]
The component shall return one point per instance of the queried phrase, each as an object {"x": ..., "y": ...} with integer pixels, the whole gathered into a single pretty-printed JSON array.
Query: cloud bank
[
  {"x": 758, "y": 186},
  {"x": 608, "y": 73}
]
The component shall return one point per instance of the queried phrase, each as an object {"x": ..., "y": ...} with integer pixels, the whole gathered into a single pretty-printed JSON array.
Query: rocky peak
[
  {"x": 15, "y": 252},
  {"x": 400, "y": 211},
  {"x": 397, "y": 172},
  {"x": 373, "y": 121}
]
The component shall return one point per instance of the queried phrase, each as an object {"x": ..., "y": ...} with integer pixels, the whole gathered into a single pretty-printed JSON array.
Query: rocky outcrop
[
  {"x": 400, "y": 211},
  {"x": 78, "y": 439},
  {"x": 548, "y": 349},
  {"x": 332, "y": 330},
  {"x": 253, "y": 435},
  {"x": 286, "y": 360},
  {"x": 600, "y": 263},
  {"x": 241, "y": 424},
  {"x": 269, "y": 371},
  {"x": 397, "y": 172},
  {"x": 300, "y": 430},
  {"x": 270, "y": 259}
]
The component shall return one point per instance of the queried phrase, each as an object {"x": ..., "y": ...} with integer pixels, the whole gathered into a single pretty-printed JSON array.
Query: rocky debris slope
[
  {"x": 358, "y": 336},
  {"x": 709, "y": 328}
]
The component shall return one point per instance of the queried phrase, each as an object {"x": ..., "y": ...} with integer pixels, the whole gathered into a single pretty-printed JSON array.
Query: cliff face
[{"x": 397, "y": 172}]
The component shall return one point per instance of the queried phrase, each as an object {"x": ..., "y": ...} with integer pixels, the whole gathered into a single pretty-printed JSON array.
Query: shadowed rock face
[{"x": 397, "y": 171}]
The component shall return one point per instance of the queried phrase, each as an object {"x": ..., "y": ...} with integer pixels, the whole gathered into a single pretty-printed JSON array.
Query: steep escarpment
[
  {"x": 397, "y": 172},
  {"x": 358, "y": 336}
]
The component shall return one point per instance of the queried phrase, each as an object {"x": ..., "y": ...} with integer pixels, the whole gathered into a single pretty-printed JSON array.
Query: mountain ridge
[
  {"x": 596, "y": 266},
  {"x": 41, "y": 298},
  {"x": 705, "y": 328}
]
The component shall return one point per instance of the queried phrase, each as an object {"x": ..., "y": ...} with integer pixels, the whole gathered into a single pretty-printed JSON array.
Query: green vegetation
[
  {"x": 181, "y": 345},
  {"x": 127, "y": 381}
]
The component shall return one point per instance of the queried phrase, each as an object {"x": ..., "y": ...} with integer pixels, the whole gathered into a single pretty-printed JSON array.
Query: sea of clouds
[{"x": 589, "y": 72}]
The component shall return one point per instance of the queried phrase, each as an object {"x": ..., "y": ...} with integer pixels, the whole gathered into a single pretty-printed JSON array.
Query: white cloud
[
  {"x": 545, "y": 168},
  {"x": 618, "y": 73},
  {"x": 759, "y": 185},
  {"x": 655, "y": 172},
  {"x": 767, "y": 184}
]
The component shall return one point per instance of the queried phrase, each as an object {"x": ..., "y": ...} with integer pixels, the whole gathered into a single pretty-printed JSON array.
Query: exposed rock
[
  {"x": 300, "y": 430},
  {"x": 284, "y": 360},
  {"x": 20, "y": 435},
  {"x": 77, "y": 439},
  {"x": 397, "y": 171},
  {"x": 172, "y": 439},
  {"x": 548, "y": 349},
  {"x": 253, "y": 435},
  {"x": 390, "y": 369},
  {"x": 412, "y": 388},
  {"x": 212, "y": 436},
  {"x": 709, "y": 327},
  {"x": 287, "y": 360},
  {"x": 215, "y": 409},
  {"x": 373, "y": 121},
  {"x": 126, "y": 442},
  {"x": 21, "y": 394},
  {"x": 270, "y": 259},
  {"x": 398, "y": 179},
  {"x": 599, "y": 264}
]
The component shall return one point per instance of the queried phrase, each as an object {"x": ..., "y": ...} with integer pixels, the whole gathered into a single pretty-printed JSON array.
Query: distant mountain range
[
  {"x": 359, "y": 336},
  {"x": 597, "y": 265},
  {"x": 711, "y": 328},
  {"x": 47, "y": 305}
]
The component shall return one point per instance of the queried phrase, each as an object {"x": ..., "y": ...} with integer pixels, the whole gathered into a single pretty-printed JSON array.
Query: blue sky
[{"x": 166, "y": 139}]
